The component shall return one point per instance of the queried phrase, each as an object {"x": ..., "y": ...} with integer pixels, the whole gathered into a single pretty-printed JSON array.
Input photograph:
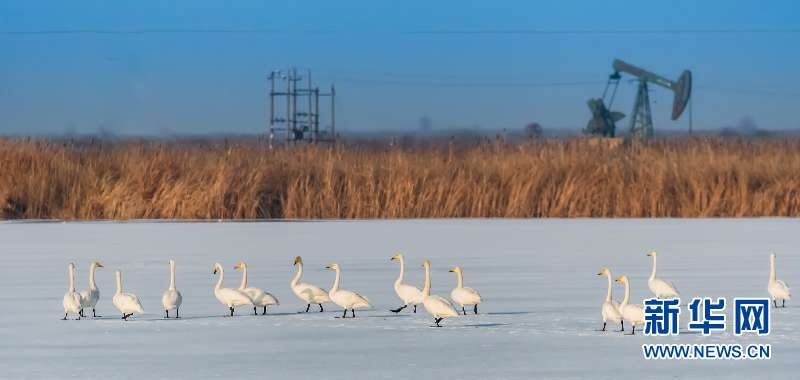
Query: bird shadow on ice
[
  {"x": 508, "y": 313},
  {"x": 389, "y": 316},
  {"x": 478, "y": 325}
]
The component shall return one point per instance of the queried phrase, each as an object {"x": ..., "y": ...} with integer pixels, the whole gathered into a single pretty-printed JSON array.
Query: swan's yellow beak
[
  {"x": 395, "y": 257},
  {"x": 651, "y": 253},
  {"x": 600, "y": 273},
  {"x": 238, "y": 266},
  {"x": 618, "y": 279},
  {"x": 297, "y": 260},
  {"x": 329, "y": 266},
  {"x": 99, "y": 265},
  {"x": 215, "y": 271}
]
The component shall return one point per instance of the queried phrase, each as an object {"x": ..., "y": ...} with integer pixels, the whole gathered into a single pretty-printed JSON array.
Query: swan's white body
[
  {"x": 228, "y": 296},
  {"x": 346, "y": 299},
  {"x": 308, "y": 293},
  {"x": 172, "y": 298},
  {"x": 437, "y": 306},
  {"x": 610, "y": 308},
  {"x": 126, "y": 303},
  {"x": 91, "y": 295},
  {"x": 633, "y": 313},
  {"x": 659, "y": 287},
  {"x": 778, "y": 289},
  {"x": 409, "y": 294},
  {"x": 462, "y": 295},
  {"x": 257, "y": 296},
  {"x": 72, "y": 299}
]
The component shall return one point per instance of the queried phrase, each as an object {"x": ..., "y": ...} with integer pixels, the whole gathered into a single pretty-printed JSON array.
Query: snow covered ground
[{"x": 539, "y": 319}]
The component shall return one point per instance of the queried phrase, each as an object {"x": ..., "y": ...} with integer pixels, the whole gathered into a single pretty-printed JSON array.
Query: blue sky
[{"x": 171, "y": 80}]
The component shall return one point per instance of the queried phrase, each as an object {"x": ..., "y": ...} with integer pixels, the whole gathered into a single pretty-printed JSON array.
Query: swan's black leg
[
  {"x": 621, "y": 325},
  {"x": 345, "y": 314},
  {"x": 255, "y": 310},
  {"x": 79, "y": 318},
  {"x": 604, "y": 327},
  {"x": 167, "y": 311},
  {"x": 177, "y": 315},
  {"x": 80, "y": 313},
  {"x": 308, "y": 307},
  {"x": 784, "y": 303},
  {"x": 94, "y": 314},
  {"x": 476, "y": 308},
  {"x": 265, "y": 311},
  {"x": 775, "y": 302},
  {"x": 415, "y": 309},
  {"x": 463, "y": 310},
  {"x": 633, "y": 330},
  {"x": 65, "y": 317},
  {"x": 398, "y": 309},
  {"x": 354, "y": 312},
  {"x": 231, "y": 308},
  {"x": 437, "y": 320},
  {"x": 320, "y": 307}
]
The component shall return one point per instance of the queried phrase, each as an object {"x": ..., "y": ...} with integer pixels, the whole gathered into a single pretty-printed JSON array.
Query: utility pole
[{"x": 301, "y": 121}]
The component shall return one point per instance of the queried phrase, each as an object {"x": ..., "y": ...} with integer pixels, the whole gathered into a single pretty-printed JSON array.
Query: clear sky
[{"x": 200, "y": 66}]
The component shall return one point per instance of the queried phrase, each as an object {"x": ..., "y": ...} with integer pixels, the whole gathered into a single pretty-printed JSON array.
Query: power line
[
  {"x": 431, "y": 32},
  {"x": 378, "y": 82}
]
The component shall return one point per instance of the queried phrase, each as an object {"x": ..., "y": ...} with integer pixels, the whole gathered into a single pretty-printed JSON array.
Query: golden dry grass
[{"x": 130, "y": 180}]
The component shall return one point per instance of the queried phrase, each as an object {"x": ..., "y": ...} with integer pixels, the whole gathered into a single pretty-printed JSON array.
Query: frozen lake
[{"x": 539, "y": 318}]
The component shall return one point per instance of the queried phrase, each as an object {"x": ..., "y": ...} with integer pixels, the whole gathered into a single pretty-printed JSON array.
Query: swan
[
  {"x": 778, "y": 289},
  {"x": 308, "y": 293},
  {"x": 72, "y": 299},
  {"x": 257, "y": 296},
  {"x": 345, "y": 298},
  {"x": 610, "y": 308},
  {"x": 633, "y": 313},
  {"x": 91, "y": 294},
  {"x": 464, "y": 296},
  {"x": 172, "y": 298},
  {"x": 659, "y": 287},
  {"x": 409, "y": 294},
  {"x": 437, "y": 306},
  {"x": 228, "y": 296},
  {"x": 126, "y": 303}
]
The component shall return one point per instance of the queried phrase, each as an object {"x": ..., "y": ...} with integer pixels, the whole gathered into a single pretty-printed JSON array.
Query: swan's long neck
[
  {"x": 335, "y": 286},
  {"x": 244, "y": 277},
  {"x": 221, "y": 277},
  {"x": 772, "y": 269},
  {"x": 297, "y": 275},
  {"x": 653, "y": 273},
  {"x": 71, "y": 279},
  {"x": 119, "y": 283},
  {"x": 608, "y": 294},
  {"x": 627, "y": 296},
  {"x": 426, "y": 291},
  {"x": 402, "y": 272},
  {"x": 459, "y": 280},
  {"x": 92, "y": 284},
  {"x": 172, "y": 275}
]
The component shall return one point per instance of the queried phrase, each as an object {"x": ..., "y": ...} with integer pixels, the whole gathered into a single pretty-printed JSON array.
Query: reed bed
[{"x": 41, "y": 179}]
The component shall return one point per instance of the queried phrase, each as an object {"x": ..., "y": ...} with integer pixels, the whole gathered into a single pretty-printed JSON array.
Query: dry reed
[{"x": 131, "y": 180}]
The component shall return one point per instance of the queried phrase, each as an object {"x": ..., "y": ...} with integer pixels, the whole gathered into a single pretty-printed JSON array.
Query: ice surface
[{"x": 539, "y": 318}]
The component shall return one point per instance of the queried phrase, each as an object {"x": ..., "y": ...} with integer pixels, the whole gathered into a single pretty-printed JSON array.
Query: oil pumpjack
[{"x": 603, "y": 122}]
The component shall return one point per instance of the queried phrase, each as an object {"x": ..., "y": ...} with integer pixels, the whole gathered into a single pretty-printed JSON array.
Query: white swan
[
  {"x": 257, "y": 296},
  {"x": 172, "y": 298},
  {"x": 310, "y": 294},
  {"x": 228, "y": 296},
  {"x": 345, "y": 298},
  {"x": 72, "y": 299},
  {"x": 409, "y": 294},
  {"x": 126, "y": 303},
  {"x": 778, "y": 289},
  {"x": 437, "y": 306},
  {"x": 633, "y": 313},
  {"x": 610, "y": 308},
  {"x": 464, "y": 296},
  {"x": 90, "y": 295},
  {"x": 659, "y": 287}
]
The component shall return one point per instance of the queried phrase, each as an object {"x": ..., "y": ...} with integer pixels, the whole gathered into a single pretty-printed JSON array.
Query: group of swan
[
  {"x": 128, "y": 303},
  {"x": 437, "y": 306},
  {"x": 611, "y": 311}
]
